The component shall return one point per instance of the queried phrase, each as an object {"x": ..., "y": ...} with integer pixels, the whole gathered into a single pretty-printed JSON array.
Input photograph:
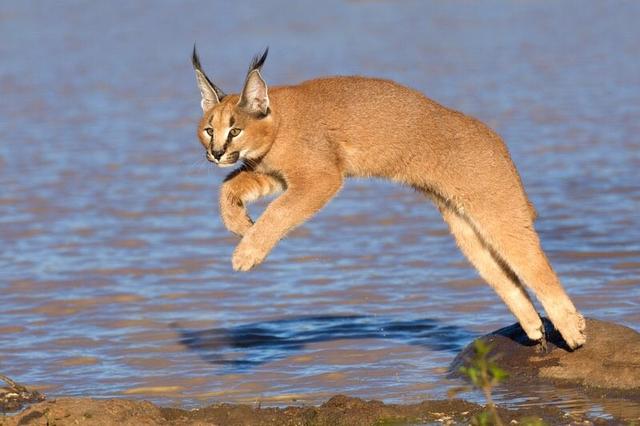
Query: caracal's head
[{"x": 235, "y": 127}]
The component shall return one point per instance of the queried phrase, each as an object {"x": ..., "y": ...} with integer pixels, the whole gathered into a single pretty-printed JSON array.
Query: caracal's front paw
[
  {"x": 246, "y": 257},
  {"x": 238, "y": 228},
  {"x": 237, "y": 225},
  {"x": 572, "y": 328}
]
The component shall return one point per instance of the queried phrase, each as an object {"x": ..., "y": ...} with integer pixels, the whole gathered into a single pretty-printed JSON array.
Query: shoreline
[{"x": 338, "y": 410}]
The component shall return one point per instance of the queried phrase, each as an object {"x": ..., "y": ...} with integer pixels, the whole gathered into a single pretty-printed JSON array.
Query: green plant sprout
[{"x": 484, "y": 374}]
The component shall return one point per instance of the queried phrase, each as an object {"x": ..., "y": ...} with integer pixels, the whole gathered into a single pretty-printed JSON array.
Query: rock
[
  {"x": 85, "y": 411},
  {"x": 609, "y": 361}
]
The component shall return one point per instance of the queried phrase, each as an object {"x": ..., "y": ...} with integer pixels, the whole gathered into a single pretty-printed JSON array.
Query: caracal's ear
[
  {"x": 254, "y": 98},
  {"x": 211, "y": 94}
]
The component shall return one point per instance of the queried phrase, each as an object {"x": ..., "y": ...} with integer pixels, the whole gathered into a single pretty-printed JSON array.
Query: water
[{"x": 115, "y": 267}]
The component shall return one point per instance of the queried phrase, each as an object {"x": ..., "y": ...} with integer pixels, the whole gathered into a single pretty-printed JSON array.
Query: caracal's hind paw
[{"x": 572, "y": 328}]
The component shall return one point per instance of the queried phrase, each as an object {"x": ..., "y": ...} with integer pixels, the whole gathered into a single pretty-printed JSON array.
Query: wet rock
[{"x": 609, "y": 361}]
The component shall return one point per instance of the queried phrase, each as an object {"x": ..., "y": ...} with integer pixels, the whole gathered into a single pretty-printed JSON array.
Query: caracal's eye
[
  {"x": 209, "y": 131},
  {"x": 235, "y": 132}
]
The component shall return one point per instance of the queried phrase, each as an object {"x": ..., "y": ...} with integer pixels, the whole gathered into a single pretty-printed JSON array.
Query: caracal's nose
[{"x": 217, "y": 154}]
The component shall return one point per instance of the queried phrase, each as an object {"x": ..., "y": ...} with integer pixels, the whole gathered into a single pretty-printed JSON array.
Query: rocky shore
[
  {"x": 337, "y": 411},
  {"x": 607, "y": 367}
]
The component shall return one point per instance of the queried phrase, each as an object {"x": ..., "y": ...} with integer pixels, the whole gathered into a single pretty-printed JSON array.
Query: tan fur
[{"x": 322, "y": 131}]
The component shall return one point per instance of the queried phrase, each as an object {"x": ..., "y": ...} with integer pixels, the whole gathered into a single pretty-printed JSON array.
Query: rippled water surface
[{"x": 115, "y": 268}]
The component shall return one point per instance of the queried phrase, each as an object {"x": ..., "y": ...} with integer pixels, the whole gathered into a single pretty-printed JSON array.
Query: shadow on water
[{"x": 249, "y": 345}]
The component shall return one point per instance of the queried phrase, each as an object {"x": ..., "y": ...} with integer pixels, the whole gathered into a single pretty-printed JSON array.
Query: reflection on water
[{"x": 115, "y": 268}]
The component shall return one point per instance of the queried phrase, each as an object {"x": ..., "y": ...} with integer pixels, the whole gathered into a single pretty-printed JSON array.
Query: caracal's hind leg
[
  {"x": 498, "y": 276},
  {"x": 519, "y": 247}
]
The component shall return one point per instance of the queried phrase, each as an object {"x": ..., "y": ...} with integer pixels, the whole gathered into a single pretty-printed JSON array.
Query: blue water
[{"x": 115, "y": 269}]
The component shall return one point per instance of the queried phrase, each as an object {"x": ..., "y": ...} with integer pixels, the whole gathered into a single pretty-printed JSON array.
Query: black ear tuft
[
  {"x": 195, "y": 60},
  {"x": 258, "y": 61}
]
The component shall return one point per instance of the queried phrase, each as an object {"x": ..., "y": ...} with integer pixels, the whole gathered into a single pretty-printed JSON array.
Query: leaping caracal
[{"x": 307, "y": 138}]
